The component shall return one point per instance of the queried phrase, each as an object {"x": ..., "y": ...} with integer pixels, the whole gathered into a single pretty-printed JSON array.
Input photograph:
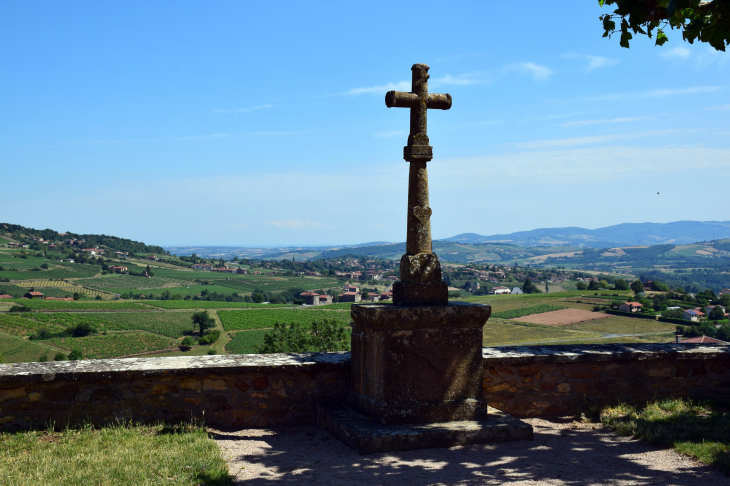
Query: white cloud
[
  {"x": 656, "y": 93},
  {"x": 239, "y": 225},
  {"x": 719, "y": 107},
  {"x": 677, "y": 53},
  {"x": 571, "y": 142},
  {"x": 243, "y": 110},
  {"x": 539, "y": 73},
  {"x": 594, "y": 62},
  {"x": 295, "y": 224},
  {"x": 460, "y": 80},
  {"x": 612, "y": 120},
  {"x": 399, "y": 86}
]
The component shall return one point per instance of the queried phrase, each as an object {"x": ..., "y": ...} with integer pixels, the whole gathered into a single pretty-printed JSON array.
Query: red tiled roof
[
  {"x": 36, "y": 294},
  {"x": 703, "y": 340},
  {"x": 635, "y": 304},
  {"x": 5, "y": 296}
]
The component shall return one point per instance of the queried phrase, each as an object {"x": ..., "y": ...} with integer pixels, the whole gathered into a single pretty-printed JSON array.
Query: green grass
[
  {"x": 78, "y": 305},
  {"x": 527, "y": 311},
  {"x": 623, "y": 325},
  {"x": 171, "y": 324},
  {"x": 13, "y": 290},
  {"x": 21, "y": 325},
  {"x": 505, "y": 333},
  {"x": 18, "y": 350},
  {"x": 113, "y": 455},
  {"x": 57, "y": 270},
  {"x": 266, "y": 318},
  {"x": 205, "y": 304},
  {"x": 697, "y": 429},
  {"x": 113, "y": 345},
  {"x": 126, "y": 282},
  {"x": 246, "y": 342}
]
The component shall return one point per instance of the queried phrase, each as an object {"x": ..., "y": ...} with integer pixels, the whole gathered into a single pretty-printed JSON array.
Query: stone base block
[
  {"x": 420, "y": 293},
  {"x": 418, "y": 364},
  {"x": 367, "y": 436}
]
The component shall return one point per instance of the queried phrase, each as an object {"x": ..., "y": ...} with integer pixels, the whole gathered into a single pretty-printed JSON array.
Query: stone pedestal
[{"x": 418, "y": 364}]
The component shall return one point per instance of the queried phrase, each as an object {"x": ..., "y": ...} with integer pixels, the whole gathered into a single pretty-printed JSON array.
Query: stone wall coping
[
  {"x": 339, "y": 361},
  {"x": 525, "y": 355},
  {"x": 172, "y": 366}
]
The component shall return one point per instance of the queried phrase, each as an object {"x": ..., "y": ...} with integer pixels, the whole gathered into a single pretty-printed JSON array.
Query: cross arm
[{"x": 402, "y": 99}]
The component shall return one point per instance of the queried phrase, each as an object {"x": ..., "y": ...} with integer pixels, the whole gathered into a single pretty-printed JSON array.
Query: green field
[
  {"x": 113, "y": 345},
  {"x": 208, "y": 304},
  {"x": 262, "y": 319},
  {"x": 526, "y": 311},
  {"x": 22, "y": 326},
  {"x": 245, "y": 342},
  {"x": 170, "y": 324},
  {"x": 127, "y": 282},
  {"x": 18, "y": 350},
  {"x": 78, "y": 305},
  {"x": 503, "y": 333}
]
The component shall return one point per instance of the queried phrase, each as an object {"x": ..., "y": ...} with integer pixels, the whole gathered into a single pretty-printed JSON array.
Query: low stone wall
[
  {"x": 562, "y": 380},
  {"x": 277, "y": 390},
  {"x": 225, "y": 391}
]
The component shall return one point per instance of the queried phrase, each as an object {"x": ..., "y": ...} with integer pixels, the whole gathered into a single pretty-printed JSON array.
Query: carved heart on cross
[{"x": 422, "y": 213}]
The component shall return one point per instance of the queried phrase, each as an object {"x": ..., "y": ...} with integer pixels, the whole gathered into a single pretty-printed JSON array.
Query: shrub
[
  {"x": 19, "y": 308},
  {"x": 210, "y": 338},
  {"x": 76, "y": 355},
  {"x": 2, "y": 358},
  {"x": 60, "y": 357},
  {"x": 43, "y": 358},
  {"x": 81, "y": 329},
  {"x": 187, "y": 343},
  {"x": 212, "y": 352},
  {"x": 321, "y": 336},
  {"x": 42, "y": 333}
]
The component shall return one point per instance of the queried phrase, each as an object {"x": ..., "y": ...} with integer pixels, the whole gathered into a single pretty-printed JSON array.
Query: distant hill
[
  {"x": 22, "y": 233},
  {"x": 625, "y": 234}
]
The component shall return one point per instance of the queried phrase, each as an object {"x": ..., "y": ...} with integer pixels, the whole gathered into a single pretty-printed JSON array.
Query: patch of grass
[
  {"x": 171, "y": 324},
  {"x": 246, "y": 342},
  {"x": 206, "y": 304},
  {"x": 623, "y": 325},
  {"x": 527, "y": 311},
  {"x": 115, "y": 454},
  {"x": 76, "y": 305},
  {"x": 18, "y": 350},
  {"x": 505, "y": 333},
  {"x": 650, "y": 338},
  {"x": 113, "y": 345},
  {"x": 697, "y": 429},
  {"x": 266, "y": 318}
]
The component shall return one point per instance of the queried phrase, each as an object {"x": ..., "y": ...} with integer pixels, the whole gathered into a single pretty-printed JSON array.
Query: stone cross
[{"x": 419, "y": 266}]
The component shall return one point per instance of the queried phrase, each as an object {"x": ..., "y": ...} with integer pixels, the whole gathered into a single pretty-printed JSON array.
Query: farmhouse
[
  {"x": 499, "y": 290},
  {"x": 310, "y": 298},
  {"x": 373, "y": 297},
  {"x": 242, "y": 271},
  {"x": 206, "y": 267},
  {"x": 121, "y": 254},
  {"x": 5, "y": 296},
  {"x": 350, "y": 297},
  {"x": 351, "y": 288},
  {"x": 34, "y": 295},
  {"x": 472, "y": 286},
  {"x": 516, "y": 290},
  {"x": 693, "y": 315},
  {"x": 724, "y": 292},
  {"x": 325, "y": 299},
  {"x": 386, "y": 295},
  {"x": 630, "y": 307},
  {"x": 115, "y": 269},
  {"x": 93, "y": 251},
  {"x": 709, "y": 309}
]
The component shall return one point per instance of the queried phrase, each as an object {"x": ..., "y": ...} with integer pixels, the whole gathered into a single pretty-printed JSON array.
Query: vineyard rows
[
  {"x": 527, "y": 311},
  {"x": 113, "y": 345},
  {"x": 263, "y": 319},
  {"x": 246, "y": 342}
]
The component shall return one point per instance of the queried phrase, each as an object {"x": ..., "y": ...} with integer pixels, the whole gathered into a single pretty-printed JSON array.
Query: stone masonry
[{"x": 280, "y": 390}]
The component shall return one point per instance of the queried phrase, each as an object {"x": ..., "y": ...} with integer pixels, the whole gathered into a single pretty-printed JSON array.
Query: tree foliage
[
  {"x": 320, "y": 336},
  {"x": 706, "y": 21},
  {"x": 202, "y": 321}
]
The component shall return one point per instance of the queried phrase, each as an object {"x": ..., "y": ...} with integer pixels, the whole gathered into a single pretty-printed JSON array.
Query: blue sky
[{"x": 262, "y": 124}]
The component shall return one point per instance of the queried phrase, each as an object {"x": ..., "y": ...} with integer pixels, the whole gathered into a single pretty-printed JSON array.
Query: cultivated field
[{"x": 562, "y": 317}]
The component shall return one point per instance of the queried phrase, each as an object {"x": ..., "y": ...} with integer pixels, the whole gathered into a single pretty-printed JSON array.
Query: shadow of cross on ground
[{"x": 561, "y": 454}]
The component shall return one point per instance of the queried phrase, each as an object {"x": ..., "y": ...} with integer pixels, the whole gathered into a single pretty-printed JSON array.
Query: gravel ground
[{"x": 561, "y": 454}]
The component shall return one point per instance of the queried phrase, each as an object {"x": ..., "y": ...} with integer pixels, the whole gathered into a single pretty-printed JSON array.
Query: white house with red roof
[
  {"x": 702, "y": 340},
  {"x": 693, "y": 315},
  {"x": 499, "y": 290},
  {"x": 724, "y": 292},
  {"x": 630, "y": 307}
]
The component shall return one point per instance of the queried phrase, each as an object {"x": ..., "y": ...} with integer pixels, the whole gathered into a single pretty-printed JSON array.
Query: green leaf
[
  {"x": 600, "y": 2},
  {"x": 661, "y": 37},
  {"x": 625, "y": 38}
]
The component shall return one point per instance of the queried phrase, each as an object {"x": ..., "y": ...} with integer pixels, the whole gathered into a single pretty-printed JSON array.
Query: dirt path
[{"x": 561, "y": 454}]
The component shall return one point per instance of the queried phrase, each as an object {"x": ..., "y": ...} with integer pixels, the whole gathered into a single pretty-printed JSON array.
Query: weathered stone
[
  {"x": 12, "y": 393},
  {"x": 194, "y": 401},
  {"x": 418, "y": 364},
  {"x": 191, "y": 384},
  {"x": 242, "y": 385},
  {"x": 564, "y": 388},
  {"x": 260, "y": 383},
  {"x": 209, "y": 384},
  {"x": 62, "y": 392},
  {"x": 368, "y": 437},
  {"x": 159, "y": 389}
]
